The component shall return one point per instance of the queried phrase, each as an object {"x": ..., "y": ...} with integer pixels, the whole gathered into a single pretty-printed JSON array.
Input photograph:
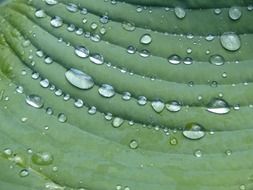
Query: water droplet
[
  {"x": 174, "y": 59},
  {"x": 42, "y": 158},
  {"x": 234, "y": 13},
  {"x": 228, "y": 152},
  {"x": 117, "y": 122},
  {"x": 108, "y": 116},
  {"x": 218, "y": 106},
  {"x": 8, "y": 152},
  {"x": 128, "y": 26},
  {"x": 217, "y": 60},
  {"x": 188, "y": 61},
  {"x": 71, "y": 7},
  {"x": 180, "y": 12},
  {"x": 126, "y": 96},
  {"x": 62, "y": 118},
  {"x": 39, "y": 53},
  {"x": 133, "y": 144},
  {"x": 198, "y": 153},
  {"x": 217, "y": 11},
  {"x": 79, "y": 79},
  {"x": 158, "y": 106},
  {"x": 78, "y": 103},
  {"x": 34, "y": 101},
  {"x": 24, "y": 173},
  {"x": 194, "y": 131},
  {"x": 40, "y": 13},
  {"x": 51, "y": 2},
  {"x": 142, "y": 100},
  {"x": 56, "y": 22},
  {"x": 44, "y": 83},
  {"x": 48, "y": 60},
  {"x": 173, "y": 141},
  {"x": 97, "y": 58},
  {"x": 210, "y": 37},
  {"x": 82, "y": 51},
  {"x": 173, "y": 106},
  {"x": 35, "y": 76},
  {"x": 104, "y": 19},
  {"x": 106, "y": 90},
  {"x": 145, "y": 39},
  {"x": 92, "y": 110},
  {"x": 242, "y": 187},
  {"x": 93, "y": 26},
  {"x": 20, "y": 89},
  {"x": 230, "y": 41},
  {"x": 49, "y": 111},
  {"x": 144, "y": 53}
]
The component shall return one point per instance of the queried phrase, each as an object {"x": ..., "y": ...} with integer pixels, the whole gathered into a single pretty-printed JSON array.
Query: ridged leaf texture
[{"x": 126, "y": 95}]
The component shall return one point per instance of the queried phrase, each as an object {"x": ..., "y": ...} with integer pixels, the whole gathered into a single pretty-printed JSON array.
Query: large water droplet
[
  {"x": 79, "y": 79},
  {"x": 42, "y": 158},
  {"x": 106, "y": 90},
  {"x": 34, "y": 101},
  {"x": 218, "y": 106},
  {"x": 230, "y": 41},
  {"x": 56, "y": 22},
  {"x": 234, "y": 13},
  {"x": 82, "y": 51},
  {"x": 194, "y": 131},
  {"x": 180, "y": 12},
  {"x": 217, "y": 60},
  {"x": 173, "y": 106},
  {"x": 158, "y": 106},
  {"x": 97, "y": 58},
  {"x": 145, "y": 39}
]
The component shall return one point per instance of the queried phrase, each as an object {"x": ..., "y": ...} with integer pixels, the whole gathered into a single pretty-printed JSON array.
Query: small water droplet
[
  {"x": 78, "y": 103},
  {"x": 82, "y": 51},
  {"x": 228, "y": 152},
  {"x": 62, "y": 118},
  {"x": 40, "y": 13},
  {"x": 218, "y": 106},
  {"x": 24, "y": 173},
  {"x": 71, "y": 7},
  {"x": 174, "y": 59},
  {"x": 108, "y": 116},
  {"x": 117, "y": 122},
  {"x": 20, "y": 89},
  {"x": 217, "y": 60},
  {"x": 97, "y": 58},
  {"x": 126, "y": 96},
  {"x": 79, "y": 79},
  {"x": 142, "y": 100},
  {"x": 106, "y": 90},
  {"x": 92, "y": 110},
  {"x": 198, "y": 153},
  {"x": 7, "y": 152},
  {"x": 34, "y": 101},
  {"x": 104, "y": 19},
  {"x": 48, "y": 60},
  {"x": 173, "y": 141},
  {"x": 51, "y": 2},
  {"x": 173, "y": 106},
  {"x": 133, "y": 144},
  {"x": 158, "y": 106},
  {"x": 193, "y": 131},
  {"x": 42, "y": 158},
  {"x": 128, "y": 26},
  {"x": 56, "y": 22},
  {"x": 145, "y": 39},
  {"x": 230, "y": 41},
  {"x": 44, "y": 83}
]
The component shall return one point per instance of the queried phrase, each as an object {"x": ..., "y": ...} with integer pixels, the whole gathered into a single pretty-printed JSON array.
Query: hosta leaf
[{"x": 126, "y": 95}]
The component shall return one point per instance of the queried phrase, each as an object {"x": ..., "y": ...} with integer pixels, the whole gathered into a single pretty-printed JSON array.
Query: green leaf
[{"x": 126, "y": 95}]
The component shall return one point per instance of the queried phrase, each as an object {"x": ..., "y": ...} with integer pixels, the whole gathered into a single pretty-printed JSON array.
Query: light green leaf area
[{"x": 126, "y": 95}]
